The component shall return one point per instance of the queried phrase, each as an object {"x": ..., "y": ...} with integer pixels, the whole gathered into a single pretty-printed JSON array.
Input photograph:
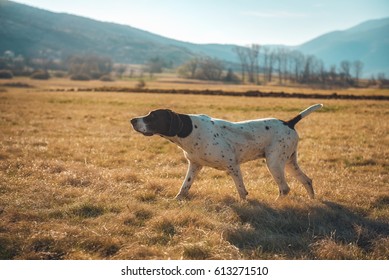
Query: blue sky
[{"x": 227, "y": 21}]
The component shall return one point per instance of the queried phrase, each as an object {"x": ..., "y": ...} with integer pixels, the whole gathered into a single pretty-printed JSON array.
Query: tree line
[
  {"x": 77, "y": 67},
  {"x": 288, "y": 65},
  {"x": 262, "y": 65},
  {"x": 256, "y": 65}
]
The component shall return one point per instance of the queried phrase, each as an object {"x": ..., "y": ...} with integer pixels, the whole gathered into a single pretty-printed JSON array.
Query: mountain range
[{"x": 31, "y": 31}]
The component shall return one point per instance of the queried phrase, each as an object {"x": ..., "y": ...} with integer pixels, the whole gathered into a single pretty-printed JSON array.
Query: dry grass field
[{"x": 76, "y": 182}]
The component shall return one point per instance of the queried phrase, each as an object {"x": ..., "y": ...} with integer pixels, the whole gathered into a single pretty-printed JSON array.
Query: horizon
[{"x": 235, "y": 23}]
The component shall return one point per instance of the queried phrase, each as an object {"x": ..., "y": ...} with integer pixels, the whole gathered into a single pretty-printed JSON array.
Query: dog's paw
[{"x": 181, "y": 197}]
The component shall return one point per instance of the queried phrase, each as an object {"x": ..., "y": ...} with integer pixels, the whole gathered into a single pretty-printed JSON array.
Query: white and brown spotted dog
[{"x": 225, "y": 145}]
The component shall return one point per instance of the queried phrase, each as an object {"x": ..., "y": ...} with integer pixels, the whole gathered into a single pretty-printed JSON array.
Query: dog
[{"x": 225, "y": 145}]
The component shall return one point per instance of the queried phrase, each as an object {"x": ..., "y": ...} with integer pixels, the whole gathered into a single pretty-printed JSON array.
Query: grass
[{"x": 78, "y": 183}]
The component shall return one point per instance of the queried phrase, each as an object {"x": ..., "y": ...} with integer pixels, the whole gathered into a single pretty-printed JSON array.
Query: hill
[
  {"x": 34, "y": 32},
  {"x": 28, "y": 31},
  {"x": 368, "y": 42}
]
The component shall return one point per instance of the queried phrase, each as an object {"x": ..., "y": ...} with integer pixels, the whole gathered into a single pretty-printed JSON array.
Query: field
[{"x": 76, "y": 182}]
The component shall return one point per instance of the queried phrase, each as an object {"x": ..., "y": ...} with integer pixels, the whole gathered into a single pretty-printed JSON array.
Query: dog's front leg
[{"x": 193, "y": 170}]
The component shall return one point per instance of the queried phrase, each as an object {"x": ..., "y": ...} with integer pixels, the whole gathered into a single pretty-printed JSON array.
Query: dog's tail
[{"x": 291, "y": 123}]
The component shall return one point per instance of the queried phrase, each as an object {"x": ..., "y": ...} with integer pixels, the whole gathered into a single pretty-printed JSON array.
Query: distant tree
[
  {"x": 231, "y": 77},
  {"x": 297, "y": 65},
  {"x": 281, "y": 59},
  {"x": 242, "y": 55},
  {"x": 121, "y": 69},
  {"x": 205, "y": 68},
  {"x": 345, "y": 67},
  {"x": 266, "y": 52},
  {"x": 269, "y": 62},
  {"x": 210, "y": 69},
  {"x": 155, "y": 65},
  {"x": 188, "y": 69},
  {"x": 92, "y": 66},
  {"x": 253, "y": 60},
  {"x": 308, "y": 69},
  {"x": 332, "y": 73},
  {"x": 6, "y": 74},
  {"x": 357, "y": 66},
  {"x": 382, "y": 81}
]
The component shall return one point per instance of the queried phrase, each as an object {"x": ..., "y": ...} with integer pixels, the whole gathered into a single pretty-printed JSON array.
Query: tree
[
  {"x": 121, "y": 69},
  {"x": 332, "y": 74},
  {"x": 205, "y": 68},
  {"x": 188, "y": 69},
  {"x": 308, "y": 67},
  {"x": 92, "y": 66},
  {"x": 210, "y": 69},
  {"x": 253, "y": 67},
  {"x": 345, "y": 67},
  {"x": 269, "y": 60},
  {"x": 231, "y": 77},
  {"x": 281, "y": 58},
  {"x": 155, "y": 65},
  {"x": 297, "y": 65},
  {"x": 242, "y": 55},
  {"x": 357, "y": 66}
]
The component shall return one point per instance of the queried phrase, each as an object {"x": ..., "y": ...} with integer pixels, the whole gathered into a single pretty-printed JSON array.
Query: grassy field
[{"x": 76, "y": 182}]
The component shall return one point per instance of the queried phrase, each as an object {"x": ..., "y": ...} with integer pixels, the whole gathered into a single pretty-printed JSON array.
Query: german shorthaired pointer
[{"x": 225, "y": 145}]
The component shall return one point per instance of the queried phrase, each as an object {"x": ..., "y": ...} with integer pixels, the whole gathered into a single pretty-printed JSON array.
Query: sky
[{"x": 241, "y": 22}]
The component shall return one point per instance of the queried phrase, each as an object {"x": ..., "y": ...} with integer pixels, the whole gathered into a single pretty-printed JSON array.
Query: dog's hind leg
[
  {"x": 294, "y": 169},
  {"x": 276, "y": 166}
]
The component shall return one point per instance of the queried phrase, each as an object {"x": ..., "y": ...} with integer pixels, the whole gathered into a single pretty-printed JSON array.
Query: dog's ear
[
  {"x": 176, "y": 124},
  {"x": 187, "y": 126}
]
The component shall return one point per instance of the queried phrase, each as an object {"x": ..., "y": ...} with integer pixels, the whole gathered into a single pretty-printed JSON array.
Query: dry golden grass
[{"x": 76, "y": 182}]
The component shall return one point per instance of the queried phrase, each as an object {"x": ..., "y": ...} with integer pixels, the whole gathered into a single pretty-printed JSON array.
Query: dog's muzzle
[{"x": 139, "y": 126}]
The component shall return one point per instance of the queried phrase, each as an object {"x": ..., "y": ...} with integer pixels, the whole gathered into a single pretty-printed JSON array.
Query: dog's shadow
[{"x": 294, "y": 231}]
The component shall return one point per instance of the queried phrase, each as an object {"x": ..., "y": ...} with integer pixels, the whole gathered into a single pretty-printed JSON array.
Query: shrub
[
  {"x": 80, "y": 77},
  {"x": 106, "y": 78},
  {"x": 40, "y": 75},
  {"x": 59, "y": 74},
  {"x": 6, "y": 74},
  {"x": 141, "y": 84}
]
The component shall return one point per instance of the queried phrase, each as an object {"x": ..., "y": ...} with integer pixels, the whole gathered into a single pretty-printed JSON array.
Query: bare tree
[
  {"x": 281, "y": 59},
  {"x": 284, "y": 59},
  {"x": 269, "y": 61},
  {"x": 357, "y": 66},
  {"x": 202, "y": 68},
  {"x": 266, "y": 58},
  {"x": 308, "y": 69},
  {"x": 155, "y": 65},
  {"x": 253, "y": 59},
  {"x": 332, "y": 74},
  {"x": 297, "y": 65},
  {"x": 242, "y": 55},
  {"x": 210, "y": 69},
  {"x": 188, "y": 70},
  {"x": 120, "y": 70},
  {"x": 345, "y": 67},
  {"x": 93, "y": 66}
]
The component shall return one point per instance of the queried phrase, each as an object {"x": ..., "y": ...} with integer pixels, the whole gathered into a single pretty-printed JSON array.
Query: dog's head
[{"x": 163, "y": 122}]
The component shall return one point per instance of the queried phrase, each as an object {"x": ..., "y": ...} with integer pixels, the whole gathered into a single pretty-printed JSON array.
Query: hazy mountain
[
  {"x": 30, "y": 31},
  {"x": 368, "y": 42}
]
